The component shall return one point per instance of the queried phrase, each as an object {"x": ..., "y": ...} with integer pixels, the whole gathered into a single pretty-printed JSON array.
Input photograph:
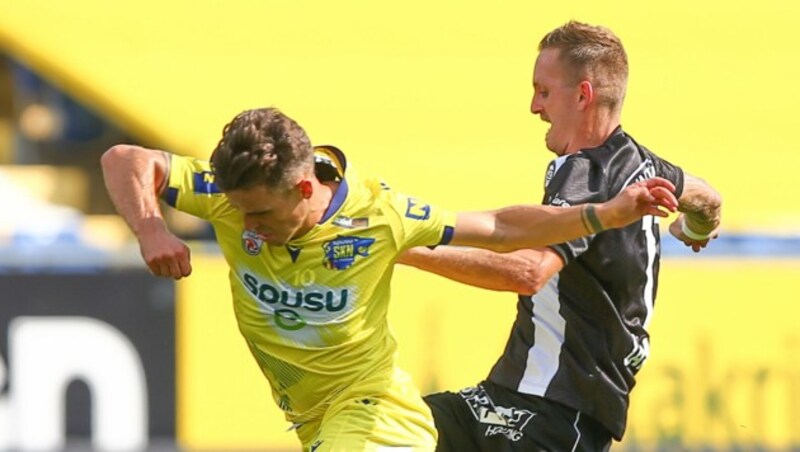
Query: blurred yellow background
[{"x": 434, "y": 97}]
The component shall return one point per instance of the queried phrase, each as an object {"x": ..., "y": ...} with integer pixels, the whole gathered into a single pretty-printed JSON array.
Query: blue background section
[{"x": 736, "y": 245}]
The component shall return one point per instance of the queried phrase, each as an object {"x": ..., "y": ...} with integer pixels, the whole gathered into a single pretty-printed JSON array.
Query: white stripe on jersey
[
  {"x": 652, "y": 247},
  {"x": 548, "y": 327},
  {"x": 578, "y": 431}
]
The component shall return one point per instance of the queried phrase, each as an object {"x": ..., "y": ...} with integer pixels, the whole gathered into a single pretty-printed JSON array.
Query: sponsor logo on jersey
[
  {"x": 506, "y": 421},
  {"x": 341, "y": 252},
  {"x": 417, "y": 210},
  {"x": 203, "y": 182},
  {"x": 251, "y": 242},
  {"x": 646, "y": 170},
  {"x": 287, "y": 305},
  {"x": 556, "y": 200},
  {"x": 350, "y": 223},
  {"x": 640, "y": 352}
]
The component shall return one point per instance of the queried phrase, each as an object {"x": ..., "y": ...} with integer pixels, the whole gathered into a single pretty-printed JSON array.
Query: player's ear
[
  {"x": 306, "y": 188},
  {"x": 586, "y": 96}
]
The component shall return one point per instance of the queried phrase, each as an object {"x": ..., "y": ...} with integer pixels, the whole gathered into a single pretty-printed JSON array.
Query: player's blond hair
[{"x": 592, "y": 53}]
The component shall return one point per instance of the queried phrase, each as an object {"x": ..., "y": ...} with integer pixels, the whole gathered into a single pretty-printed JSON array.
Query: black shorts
[{"x": 492, "y": 418}]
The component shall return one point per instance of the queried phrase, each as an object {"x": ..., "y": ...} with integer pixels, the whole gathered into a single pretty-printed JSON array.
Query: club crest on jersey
[
  {"x": 350, "y": 223},
  {"x": 553, "y": 168},
  {"x": 341, "y": 252},
  {"x": 251, "y": 242},
  {"x": 551, "y": 171}
]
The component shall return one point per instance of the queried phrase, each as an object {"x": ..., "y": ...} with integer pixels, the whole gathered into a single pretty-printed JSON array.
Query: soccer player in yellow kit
[{"x": 311, "y": 248}]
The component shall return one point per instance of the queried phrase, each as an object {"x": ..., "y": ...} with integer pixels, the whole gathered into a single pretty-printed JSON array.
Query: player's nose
[{"x": 536, "y": 106}]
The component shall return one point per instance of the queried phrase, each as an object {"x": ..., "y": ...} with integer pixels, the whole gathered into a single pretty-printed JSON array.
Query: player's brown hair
[{"x": 261, "y": 146}]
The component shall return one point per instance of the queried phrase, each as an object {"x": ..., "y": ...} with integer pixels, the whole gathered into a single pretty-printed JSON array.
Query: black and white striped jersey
[{"x": 582, "y": 338}]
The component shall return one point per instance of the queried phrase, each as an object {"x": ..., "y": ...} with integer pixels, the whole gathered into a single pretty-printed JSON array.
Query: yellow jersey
[{"x": 314, "y": 312}]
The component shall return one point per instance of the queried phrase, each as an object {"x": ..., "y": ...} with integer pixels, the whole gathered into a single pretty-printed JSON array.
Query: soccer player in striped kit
[{"x": 580, "y": 336}]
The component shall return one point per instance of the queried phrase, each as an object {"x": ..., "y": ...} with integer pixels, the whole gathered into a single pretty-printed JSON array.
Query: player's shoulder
[
  {"x": 620, "y": 154},
  {"x": 190, "y": 176}
]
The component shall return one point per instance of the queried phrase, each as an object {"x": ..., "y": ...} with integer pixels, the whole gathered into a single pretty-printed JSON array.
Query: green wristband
[{"x": 590, "y": 219}]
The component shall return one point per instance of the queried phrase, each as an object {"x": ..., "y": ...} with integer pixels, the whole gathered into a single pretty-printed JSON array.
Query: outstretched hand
[{"x": 653, "y": 196}]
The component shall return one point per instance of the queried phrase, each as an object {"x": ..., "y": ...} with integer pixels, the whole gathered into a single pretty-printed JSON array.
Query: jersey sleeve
[
  {"x": 191, "y": 189},
  {"x": 670, "y": 172},
  {"x": 417, "y": 223}
]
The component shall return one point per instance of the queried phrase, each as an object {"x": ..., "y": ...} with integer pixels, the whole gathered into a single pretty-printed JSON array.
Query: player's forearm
[
  {"x": 701, "y": 205},
  {"x": 519, "y": 227},
  {"x": 513, "y": 272},
  {"x": 133, "y": 177},
  {"x": 526, "y": 226}
]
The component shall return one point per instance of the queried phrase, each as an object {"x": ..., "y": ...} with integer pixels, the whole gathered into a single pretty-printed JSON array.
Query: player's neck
[
  {"x": 593, "y": 134},
  {"x": 320, "y": 200}
]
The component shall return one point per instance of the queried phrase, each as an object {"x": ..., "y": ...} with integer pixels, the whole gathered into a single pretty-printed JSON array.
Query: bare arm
[
  {"x": 135, "y": 177},
  {"x": 701, "y": 207},
  {"x": 529, "y": 226},
  {"x": 523, "y": 272}
]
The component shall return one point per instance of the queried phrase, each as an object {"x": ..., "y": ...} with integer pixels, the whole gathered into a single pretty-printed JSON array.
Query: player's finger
[
  {"x": 659, "y": 182},
  {"x": 159, "y": 266},
  {"x": 665, "y": 197},
  {"x": 164, "y": 270},
  {"x": 174, "y": 269},
  {"x": 185, "y": 266},
  {"x": 654, "y": 209},
  {"x": 155, "y": 266}
]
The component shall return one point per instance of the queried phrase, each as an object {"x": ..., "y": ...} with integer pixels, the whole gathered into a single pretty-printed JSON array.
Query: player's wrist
[
  {"x": 149, "y": 226},
  {"x": 590, "y": 216},
  {"x": 693, "y": 235}
]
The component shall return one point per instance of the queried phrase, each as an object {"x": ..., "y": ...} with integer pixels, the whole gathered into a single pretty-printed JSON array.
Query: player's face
[
  {"x": 556, "y": 100},
  {"x": 277, "y": 216}
]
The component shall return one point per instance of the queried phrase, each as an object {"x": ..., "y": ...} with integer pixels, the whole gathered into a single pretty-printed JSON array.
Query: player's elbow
[
  {"x": 114, "y": 155},
  {"x": 529, "y": 277},
  {"x": 529, "y": 284}
]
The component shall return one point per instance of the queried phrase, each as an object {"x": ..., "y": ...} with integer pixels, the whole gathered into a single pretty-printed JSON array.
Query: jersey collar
[{"x": 333, "y": 156}]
